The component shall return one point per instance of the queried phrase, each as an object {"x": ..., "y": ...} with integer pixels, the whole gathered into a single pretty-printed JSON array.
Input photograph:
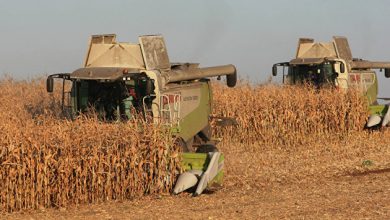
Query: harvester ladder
[
  {"x": 170, "y": 109},
  {"x": 360, "y": 81}
]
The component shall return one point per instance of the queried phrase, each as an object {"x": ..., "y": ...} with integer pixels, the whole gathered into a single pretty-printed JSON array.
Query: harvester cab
[
  {"x": 331, "y": 64},
  {"x": 120, "y": 81}
]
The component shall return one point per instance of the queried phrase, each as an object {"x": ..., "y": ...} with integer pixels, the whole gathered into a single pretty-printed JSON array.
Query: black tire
[
  {"x": 207, "y": 148},
  {"x": 185, "y": 146}
]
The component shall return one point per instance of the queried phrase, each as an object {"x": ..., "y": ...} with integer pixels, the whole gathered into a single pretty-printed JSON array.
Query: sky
[{"x": 49, "y": 36}]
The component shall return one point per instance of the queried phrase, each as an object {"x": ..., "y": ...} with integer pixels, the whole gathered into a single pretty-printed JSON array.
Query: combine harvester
[
  {"x": 119, "y": 79},
  {"x": 331, "y": 63}
]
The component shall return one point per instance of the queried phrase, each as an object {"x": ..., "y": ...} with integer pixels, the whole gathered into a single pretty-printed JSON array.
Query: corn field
[
  {"x": 287, "y": 115},
  {"x": 47, "y": 161}
]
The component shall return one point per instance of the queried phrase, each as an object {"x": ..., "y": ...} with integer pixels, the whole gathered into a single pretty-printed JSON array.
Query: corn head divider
[{"x": 120, "y": 81}]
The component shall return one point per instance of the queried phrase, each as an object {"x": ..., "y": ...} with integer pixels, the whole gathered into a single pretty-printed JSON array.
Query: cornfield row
[
  {"x": 288, "y": 115},
  {"x": 48, "y": 162}
]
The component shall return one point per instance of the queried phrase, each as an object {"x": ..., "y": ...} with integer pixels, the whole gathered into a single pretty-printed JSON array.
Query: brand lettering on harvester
[{"x": 191, "y": 98}]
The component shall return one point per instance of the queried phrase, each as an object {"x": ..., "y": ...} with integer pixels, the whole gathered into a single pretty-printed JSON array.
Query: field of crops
[
  {"x": 46, "y": 161},
  {"x": 288, "y": 115},
  {"x": 285, "y": 136}
]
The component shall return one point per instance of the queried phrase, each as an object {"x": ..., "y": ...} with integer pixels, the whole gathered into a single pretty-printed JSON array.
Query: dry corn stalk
[
  {"x": 287, "y": 115},
  {"x": 46, "y": 161},
  {"x": 50, "y": 162}
]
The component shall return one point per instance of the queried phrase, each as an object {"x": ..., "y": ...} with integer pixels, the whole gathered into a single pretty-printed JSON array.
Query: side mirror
[
  {"x": 387, "y": 73},
  {"x": 342, "y": 67},
  {"x": 49, "y": 84},
  {"x": 274, "y": 70},
  {"x": 231, "y": 79}
]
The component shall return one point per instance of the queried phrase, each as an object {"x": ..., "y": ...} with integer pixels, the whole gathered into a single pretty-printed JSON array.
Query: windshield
[
  {"x": 318, "y": 75},
  {"x": 117, "y": 100}
]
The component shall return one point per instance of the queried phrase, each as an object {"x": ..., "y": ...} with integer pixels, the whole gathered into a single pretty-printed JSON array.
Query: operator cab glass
[
  {"x": 318, "y": 75},
  {"x": 115, "y": 100}
]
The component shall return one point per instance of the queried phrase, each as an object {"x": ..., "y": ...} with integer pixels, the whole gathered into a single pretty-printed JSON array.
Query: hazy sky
[{"x": 48, "y": 36}]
